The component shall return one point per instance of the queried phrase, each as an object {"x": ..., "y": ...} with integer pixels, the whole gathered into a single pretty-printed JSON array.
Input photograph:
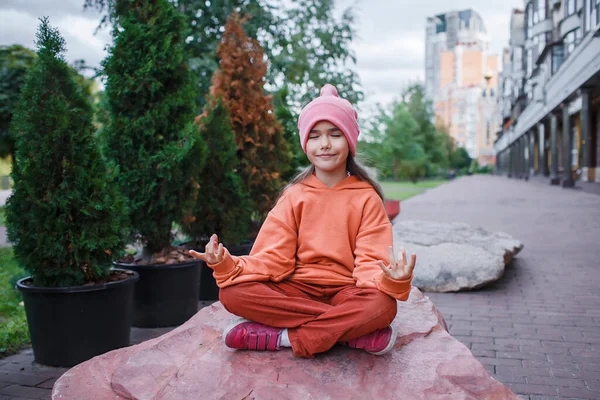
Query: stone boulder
[
  {"x": 454, "y": 256},
  {"x": 191, "y": 362}
]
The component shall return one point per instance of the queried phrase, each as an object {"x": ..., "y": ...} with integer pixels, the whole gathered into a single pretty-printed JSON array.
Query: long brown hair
[{"x": 352, "y": 165}]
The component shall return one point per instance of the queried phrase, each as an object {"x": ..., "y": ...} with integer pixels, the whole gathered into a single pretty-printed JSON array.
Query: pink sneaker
[
  {"x": 248, "y": 335},
  {"x": 379, "y": 342}
]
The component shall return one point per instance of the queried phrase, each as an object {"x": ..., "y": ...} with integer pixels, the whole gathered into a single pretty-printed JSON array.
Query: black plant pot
[
  {"x": 208, "y": 286},
  {"x": 166, "y": 294},
  {"x": 69, "y": 325}
]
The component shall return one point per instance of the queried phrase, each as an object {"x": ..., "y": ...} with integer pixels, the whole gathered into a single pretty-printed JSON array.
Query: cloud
[
  {"x": 390, "y": 44},
  {"x": 404, "y": 51},
  {"x": 79, "y": 34},
  {"x": 41, "y": 8},
  {"x": 20, "y": 26},
  {"x": 17, "y": 28}
]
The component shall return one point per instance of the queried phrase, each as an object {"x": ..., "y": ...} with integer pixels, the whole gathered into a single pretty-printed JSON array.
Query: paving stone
[
  {"x": 47, "y": 384},
  {"x": 25, "y": 391},
  {"x": 593, "y": 384},
  {"x": 566, "y": 382},
  {"x": 579, "y": 393},
  {"x": 22, "y": 379},
  {"x": 519, "y": 388}
]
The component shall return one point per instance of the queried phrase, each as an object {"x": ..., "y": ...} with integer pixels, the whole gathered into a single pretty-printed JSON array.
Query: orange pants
[{"x": 316, "y": 316}]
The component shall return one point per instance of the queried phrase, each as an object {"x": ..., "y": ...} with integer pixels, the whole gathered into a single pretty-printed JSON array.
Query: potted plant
[
  {"x": 226, "y": 211},
  {"x": 152, "y": 138},
  {"x": 65, "y": 218}
]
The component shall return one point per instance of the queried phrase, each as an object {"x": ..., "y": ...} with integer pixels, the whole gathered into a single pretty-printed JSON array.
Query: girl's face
[{"x": 327, "y": 148}]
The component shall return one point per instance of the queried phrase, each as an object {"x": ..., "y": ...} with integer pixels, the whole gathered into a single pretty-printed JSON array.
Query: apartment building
[
  {"x": 461, "y": 80},
  {"x": 550, "y": 93}
]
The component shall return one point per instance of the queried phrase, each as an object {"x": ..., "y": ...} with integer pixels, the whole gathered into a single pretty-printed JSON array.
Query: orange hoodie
[{"x": 321, "y": 236}]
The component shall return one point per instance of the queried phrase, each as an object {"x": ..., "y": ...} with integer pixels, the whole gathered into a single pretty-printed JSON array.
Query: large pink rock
[{"x": 191, "y": 362}]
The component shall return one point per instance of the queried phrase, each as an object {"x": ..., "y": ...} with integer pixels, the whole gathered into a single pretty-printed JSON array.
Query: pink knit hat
[{"x": 330, "y": 107}]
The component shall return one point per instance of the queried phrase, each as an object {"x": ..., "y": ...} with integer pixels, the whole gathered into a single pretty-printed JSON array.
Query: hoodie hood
[{"x": 350, "y": 182}]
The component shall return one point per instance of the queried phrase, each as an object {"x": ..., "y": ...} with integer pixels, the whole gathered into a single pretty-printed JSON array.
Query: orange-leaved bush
[{"x": 263, "y": 153}]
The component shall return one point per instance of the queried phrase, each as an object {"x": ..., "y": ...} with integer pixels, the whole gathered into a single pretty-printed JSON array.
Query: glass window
[
  {"x": 517, "y": 58},
  {"x": 541, "y": 43},
  {"x": 529, "y": 12},
  {"x": 542, "y": 9},
  {"x": 558, "y": 55},
  {"x": 571, "y": 7},
  {"x": 569, "y": 43},
  {"x": 529, "y": 62},
  {"x": 539, "y": 11},
  {"x": 587, "y": 14},
  {"x": 507, "y": 87}
]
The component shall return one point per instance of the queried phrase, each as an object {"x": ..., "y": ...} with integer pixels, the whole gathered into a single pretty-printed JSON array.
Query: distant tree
[
  {"x": 306, "y": 45},
  {"x": 205, "y": 22},
  {"x": 311, "y": 48},
  {"x": 403, "y": 146},
  {"x": 460, "y": 159},
  {"x": 15, "y": 62},
  {"x": 434, "y": 142}
]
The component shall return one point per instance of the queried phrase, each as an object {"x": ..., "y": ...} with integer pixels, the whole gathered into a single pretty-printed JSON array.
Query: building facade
[
  {"x": 550, "y": 84},
  {"x": 461, "y": 80}
]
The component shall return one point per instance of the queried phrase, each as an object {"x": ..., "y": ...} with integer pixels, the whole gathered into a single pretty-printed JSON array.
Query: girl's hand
[
  {"x": 213, "y": 252},
  {"x": 398, "y": 270}
]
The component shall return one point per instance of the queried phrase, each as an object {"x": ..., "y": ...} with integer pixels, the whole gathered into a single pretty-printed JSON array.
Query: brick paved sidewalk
[{"x": 538, "y": 328}]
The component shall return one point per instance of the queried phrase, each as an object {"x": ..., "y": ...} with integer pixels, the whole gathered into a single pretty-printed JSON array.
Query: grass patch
[
  {"x": 14, "y": 333},
  {"x": 404, "y": 190},
  {"x": 5, "y": 169},
  {"x": 1, "y": 216},
  {"x": 5, "y": 166}
]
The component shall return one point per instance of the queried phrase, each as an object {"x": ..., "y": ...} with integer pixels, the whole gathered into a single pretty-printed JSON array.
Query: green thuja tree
[
  {"x": 65, "y": 216},
  {"x": 151, "y": 133},
  {"x": 222, "y": 206}
]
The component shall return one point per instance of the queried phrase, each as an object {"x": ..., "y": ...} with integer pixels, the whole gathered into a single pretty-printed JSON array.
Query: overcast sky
[{"x": 390, "y": 46}]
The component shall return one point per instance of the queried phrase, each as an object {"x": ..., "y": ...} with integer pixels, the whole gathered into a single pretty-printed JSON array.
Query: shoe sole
[
  {"x": 391, "y": 344},
  {"x": 229, "y": 328}
]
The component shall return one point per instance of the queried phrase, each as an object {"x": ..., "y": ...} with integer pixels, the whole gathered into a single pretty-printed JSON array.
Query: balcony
[
  {"x": 568, "y": 24},
  {"x": 518, "y": 106},
  {"x": 541, "y": 27}
]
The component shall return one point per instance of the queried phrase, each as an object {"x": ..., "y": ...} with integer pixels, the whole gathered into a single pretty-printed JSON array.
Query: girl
[{"x": 318, "y": 273}]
